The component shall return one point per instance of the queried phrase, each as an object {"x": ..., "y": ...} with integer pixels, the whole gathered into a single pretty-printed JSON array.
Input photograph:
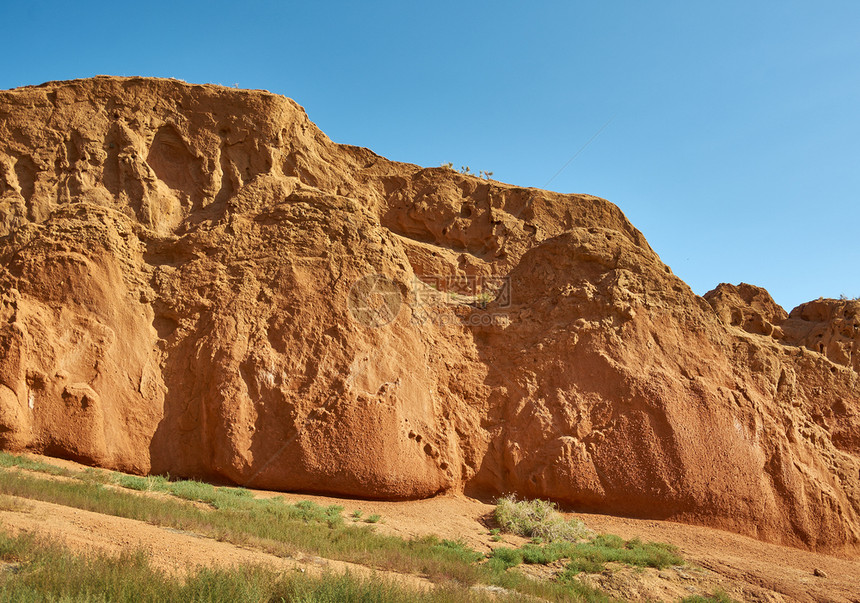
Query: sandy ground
[{"x": 744, "y": 568}]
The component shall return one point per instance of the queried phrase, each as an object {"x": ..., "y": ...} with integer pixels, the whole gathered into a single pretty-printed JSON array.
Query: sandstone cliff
[{"x": 196, "y": 280}]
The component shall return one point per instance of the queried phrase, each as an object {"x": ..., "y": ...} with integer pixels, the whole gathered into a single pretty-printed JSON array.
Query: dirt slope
[
  {"x": 172, "y": 551},
  {"x": 745, "y": 568},
  {"x": 196, "y": 280}
]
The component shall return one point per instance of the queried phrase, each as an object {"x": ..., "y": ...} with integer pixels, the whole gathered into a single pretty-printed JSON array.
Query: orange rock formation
[{"x": 196, "y": 280}]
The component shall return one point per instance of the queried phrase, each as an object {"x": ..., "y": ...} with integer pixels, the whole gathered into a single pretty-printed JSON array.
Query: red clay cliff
[{"x": 196, "y": 280}]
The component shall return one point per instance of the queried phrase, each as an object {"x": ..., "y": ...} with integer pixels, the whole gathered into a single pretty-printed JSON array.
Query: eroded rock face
[
  {"x": 749, "y": 307},
  {"x": 828, "y": 326},
  {"x": 184, "y": 278}
]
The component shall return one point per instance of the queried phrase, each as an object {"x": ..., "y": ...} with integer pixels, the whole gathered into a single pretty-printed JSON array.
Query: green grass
[
  {"x": 97, "y": 476},
  {"x": 569, "y": 539},
  {"x": 151, "y": 483},
  {"x": 14, "y": 460},
  {"x": 282, "y": 529},
  {"x": 43, "y": 571},
  {"x": 717, "y": 597},
  {"x": 272, "y": 525},
  {"x": 590, "y": 556},
  {"x": 537, "y": 519}
]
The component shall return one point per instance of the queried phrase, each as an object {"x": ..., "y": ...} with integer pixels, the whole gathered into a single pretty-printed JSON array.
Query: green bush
[
  {"x": 537, "y": 519},
  {"x": 194, "y": 491},
  {"x": 505, "y": 557},
  {"x": 591, "y": 556}
]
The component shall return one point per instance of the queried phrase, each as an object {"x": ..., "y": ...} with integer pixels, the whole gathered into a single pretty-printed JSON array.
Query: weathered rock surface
[{"x": 181, "y": 276}]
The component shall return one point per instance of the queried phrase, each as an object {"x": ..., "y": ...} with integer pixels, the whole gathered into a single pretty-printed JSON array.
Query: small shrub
[
  {"x": 133, "y": 482},
  {"x": 333, "y": 515},
  {"x": 309, "y": 511},
  {"x": 505, "y": 557},
  {"x": 536, "y": 555},
  {"x": 234, "y": 498},
  {"x": 581, "y": 565},
  {"x": 373, "y": 518},
  {"x": 483, "y": 299},
  {"x": 194, "y": 491},
  {"x": 240, "y": 492},
  {"x": 537, "y": 519}
]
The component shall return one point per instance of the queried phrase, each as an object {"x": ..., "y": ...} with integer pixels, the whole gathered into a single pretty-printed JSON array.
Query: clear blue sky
[{"x": 734, "y": 141}]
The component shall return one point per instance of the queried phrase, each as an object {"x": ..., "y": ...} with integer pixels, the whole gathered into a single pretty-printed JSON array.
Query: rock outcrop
[{"x": 196, "y": 280}]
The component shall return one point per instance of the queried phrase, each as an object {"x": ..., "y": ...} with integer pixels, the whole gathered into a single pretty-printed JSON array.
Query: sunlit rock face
[{"x": 196, "y": 280}]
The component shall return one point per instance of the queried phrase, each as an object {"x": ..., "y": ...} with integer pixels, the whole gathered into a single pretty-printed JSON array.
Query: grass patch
[
  {"x": 270, "y": 524},
  {"x": 592, "y": 556},
  {"x": 282, "y": 529},
  {"x": 718, "y": 597},
  {"x": 97, "y": 476},
  {"x": 48, "y": 572},
  {"x": 537, "y": 519},
  {"x": 194, "y": 491},
  {"x": 10, "y": 503},
  {"x": 22, "y": 462},
  {"x": 569, "y": 539},
  {"x": 150, "y": 483},
  {"x": 589, "y": 557},
  {"x": 504, "y": 557}
]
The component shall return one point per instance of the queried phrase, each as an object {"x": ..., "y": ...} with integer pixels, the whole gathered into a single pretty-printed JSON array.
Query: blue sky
[{"x": 733, "y": 136}]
